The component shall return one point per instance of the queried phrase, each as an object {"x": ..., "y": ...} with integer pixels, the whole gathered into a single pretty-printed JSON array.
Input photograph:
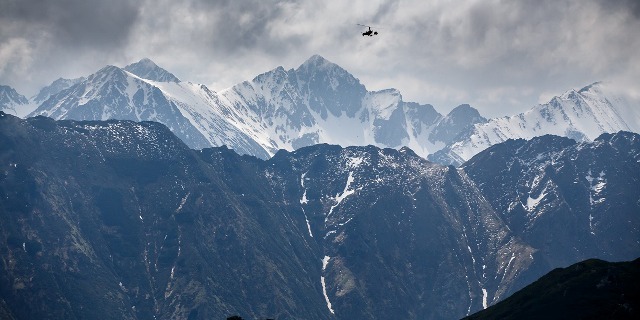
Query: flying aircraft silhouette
[{"x": 369, "y": 32}]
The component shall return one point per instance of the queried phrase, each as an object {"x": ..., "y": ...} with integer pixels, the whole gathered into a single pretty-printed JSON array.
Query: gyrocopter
[{"x": 369, "y": 32}]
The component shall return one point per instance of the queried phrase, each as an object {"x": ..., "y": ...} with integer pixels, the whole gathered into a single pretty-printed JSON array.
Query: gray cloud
[
  {"x": 499, "y": 56},
  {"x": 41, "y": 39},
  {"x": 74, "y": 23}
]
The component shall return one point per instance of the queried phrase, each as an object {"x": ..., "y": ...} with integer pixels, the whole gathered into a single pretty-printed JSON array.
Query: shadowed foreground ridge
[{"x": 592, "y": 289}]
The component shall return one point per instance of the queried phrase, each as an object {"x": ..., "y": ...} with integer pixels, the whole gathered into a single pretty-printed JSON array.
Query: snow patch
[
  {"x": 532, "y": 203},
  {"x": 355, "y": 162},
  {"x": 304, "y": 199},
  {"x": 596, "y": 186}
]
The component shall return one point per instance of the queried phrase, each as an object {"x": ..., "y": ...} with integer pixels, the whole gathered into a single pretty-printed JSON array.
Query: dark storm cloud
[
  {"x": 223, "y": 27},
  {"x": 72, "y": 22},
  {"x": 239, "y": 25},
  {"x": 383, "y": 11},
  {"x": 41, "y": 40},
  {"x": 631, "y": 6}
]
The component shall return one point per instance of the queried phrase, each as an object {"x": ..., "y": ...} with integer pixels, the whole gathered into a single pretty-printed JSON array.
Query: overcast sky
[{"x": 502, "y": 57}]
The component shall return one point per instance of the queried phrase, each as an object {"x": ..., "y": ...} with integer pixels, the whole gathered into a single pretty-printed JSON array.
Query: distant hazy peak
[
  {"x": 319, "y": 64},
  {"x": 54, "y": 88},
  {"x": 147, "y": 69},
  {"x": 464, "y": 110},
  {"x": 316, "y": 60},
  {"x": 10, "y": 95}
]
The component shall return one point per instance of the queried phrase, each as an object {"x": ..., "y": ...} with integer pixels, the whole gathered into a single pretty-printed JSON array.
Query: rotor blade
[{"x": 363, "y": 25}]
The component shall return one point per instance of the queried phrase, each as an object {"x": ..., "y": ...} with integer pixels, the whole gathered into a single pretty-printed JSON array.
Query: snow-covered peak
[
  {"x": 463, "y": 111},
  {"x": 108, "y": 73},
  {"x": 320, "y": 102},
  {"x": 147, "y": 69},
  {"x": 329, "y": 88},
  {"x": 12, "y": 102},
  {"x": 323, "y": 69},
  {"x": 580, "y": 115},
  {"x": 271, "y": 82},
  {"x": 317, "y": 62},
  {"x": 461, "y": 118}
]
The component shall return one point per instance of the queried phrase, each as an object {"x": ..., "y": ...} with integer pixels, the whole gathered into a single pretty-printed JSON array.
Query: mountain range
[
  {"x": 122, "y": 220},
  {"x": 318, "y": 102}
]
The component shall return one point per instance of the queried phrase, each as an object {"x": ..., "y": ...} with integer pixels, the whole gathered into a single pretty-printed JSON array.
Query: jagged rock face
[
  {"x": 400, "y": 237},
  {"x": 119, "y": 219},
  {"x": 319, "y": 102},
  {"x": 566, "y": 199}
]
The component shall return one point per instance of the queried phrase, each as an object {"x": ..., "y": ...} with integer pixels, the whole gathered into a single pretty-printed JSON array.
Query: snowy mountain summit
[
  {"x": 147, "y": 69},
  {"x": 581, "y": 115},
  {"x": 12, "y": 102},
  {"x": 320, "y": 102}
]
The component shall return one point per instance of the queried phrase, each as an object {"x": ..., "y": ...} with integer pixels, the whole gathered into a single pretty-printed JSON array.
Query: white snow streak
[
  {"x": 304, "y": 200},
  {"x": 325, "y": 261},
  {"x": 182, "y": 202},
  {"x": 484, "y": 298},
  {"x": 345, "y": 193}
]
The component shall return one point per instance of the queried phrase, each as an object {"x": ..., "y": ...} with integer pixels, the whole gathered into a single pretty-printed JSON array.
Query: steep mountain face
[
  {"x": 550, "y": 175},
  {"x": 580, "y": 115},
  {"x": 568, "y": 200},
  {"x": 400, "y": 237},
  {"x": 592, "y": 289},
  {"x": 120, "y": 220},
  {"x": 12, "y": 102},
  {"x": 117, "y": 219}
]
